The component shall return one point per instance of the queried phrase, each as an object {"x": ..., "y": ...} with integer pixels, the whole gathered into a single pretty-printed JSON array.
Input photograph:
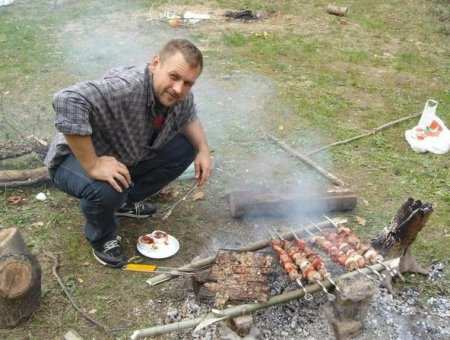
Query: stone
[
  {"x": 242, "y": 324},
  {"x": 72, "y": 335}
]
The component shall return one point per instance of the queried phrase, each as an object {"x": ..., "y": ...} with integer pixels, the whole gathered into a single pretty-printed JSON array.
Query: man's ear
[{"x": 155, "y": 62}]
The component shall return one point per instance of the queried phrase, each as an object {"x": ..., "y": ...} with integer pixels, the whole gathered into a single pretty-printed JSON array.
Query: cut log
[
  {"x": 20, "y": 279},
  {"x": 271, "y": 203}
]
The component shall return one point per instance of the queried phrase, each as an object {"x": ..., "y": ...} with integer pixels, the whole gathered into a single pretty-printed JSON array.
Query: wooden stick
[
  {"x": 72, "y": 301},
  {"x": 169, "y": 211},
  {"x": 372, "y": 132},
  {"x": 308, "y": 161},
  {"x": 249, "y": 308},
  {"x": 209, "y": 260}
]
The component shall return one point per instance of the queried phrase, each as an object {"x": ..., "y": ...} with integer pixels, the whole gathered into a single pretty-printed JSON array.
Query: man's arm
[
  {"x": 104, "y": 168},
  {"x": 196, "y": 135}
]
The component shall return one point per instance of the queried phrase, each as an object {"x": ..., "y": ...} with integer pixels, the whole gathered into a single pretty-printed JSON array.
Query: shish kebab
[
  {"x": 288, "y": 265},
  {"x": 347, "y": 250},
  {"x": 364, "y": 249},
  {"x": 341, "y": 253},
  {"x": 295, "y": 262}
]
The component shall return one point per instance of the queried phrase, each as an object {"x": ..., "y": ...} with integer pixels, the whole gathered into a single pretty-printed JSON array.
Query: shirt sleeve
[
  {"x": 72, "y": 112},
  {"x": 88, "y": 105}
]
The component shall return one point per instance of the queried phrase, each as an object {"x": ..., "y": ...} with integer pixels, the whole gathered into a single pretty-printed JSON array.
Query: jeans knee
[{"x": 106, "y": 196}]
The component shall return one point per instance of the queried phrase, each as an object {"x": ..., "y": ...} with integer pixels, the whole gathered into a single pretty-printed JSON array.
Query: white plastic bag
[{"x": 430, "y": 134}]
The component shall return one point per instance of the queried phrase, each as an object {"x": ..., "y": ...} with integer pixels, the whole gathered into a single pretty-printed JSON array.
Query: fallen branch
[
  {"x": 308, "y": 161},
  {"x": 153, "y": 281},
  {"x": 372, "y": 132},
  {"x": 16, "y": 178},
  {"x": 249, "y": 308},
  {"x": 72, "y": 301}
]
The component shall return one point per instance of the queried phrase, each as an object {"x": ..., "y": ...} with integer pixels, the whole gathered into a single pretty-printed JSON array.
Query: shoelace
[
  {"x": 111, "y": 244},
  {"x": 139, "y": 206}
]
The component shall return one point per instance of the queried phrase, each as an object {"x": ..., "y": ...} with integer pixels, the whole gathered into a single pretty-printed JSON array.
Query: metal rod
[
  {"x": 380, "y": 276},
  {"x": 366, "y": 275},
  {"x": 173, "y": 206},
  {"x": 307, "y": 296}
]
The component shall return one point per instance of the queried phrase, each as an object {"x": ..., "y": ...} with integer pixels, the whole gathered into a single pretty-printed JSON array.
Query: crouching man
[{"x": 124, "y": 137}]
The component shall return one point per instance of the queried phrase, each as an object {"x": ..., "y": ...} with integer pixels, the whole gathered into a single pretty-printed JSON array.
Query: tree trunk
[{"x": 20, "y": 279}]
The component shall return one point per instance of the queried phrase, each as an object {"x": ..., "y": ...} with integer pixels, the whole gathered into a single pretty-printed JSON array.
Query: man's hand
[
  {"x": 202, "y": 165},
  {"x": 109, "y": 169}
]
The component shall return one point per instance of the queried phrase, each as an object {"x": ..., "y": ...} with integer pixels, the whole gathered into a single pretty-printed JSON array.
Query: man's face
[{"x": 173, "y": 78}]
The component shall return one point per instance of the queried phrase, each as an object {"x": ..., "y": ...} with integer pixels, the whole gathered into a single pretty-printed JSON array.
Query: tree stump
[
  {"x": 347, "y": 313},
  {"x": 20, "y": 279}
]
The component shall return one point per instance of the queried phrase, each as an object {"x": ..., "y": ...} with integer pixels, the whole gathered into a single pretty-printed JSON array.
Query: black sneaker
[
  {"x": 137, "y": 210},
  {"x": 110, "y": 254}
]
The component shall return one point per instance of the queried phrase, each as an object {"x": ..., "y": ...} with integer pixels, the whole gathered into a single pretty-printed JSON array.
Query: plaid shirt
[{"x": 117, "y": 112}]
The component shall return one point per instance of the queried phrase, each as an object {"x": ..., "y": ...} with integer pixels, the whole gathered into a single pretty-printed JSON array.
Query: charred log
[
  {"x": 276, "y": 203},
  {"x": 396, "y": 239}
]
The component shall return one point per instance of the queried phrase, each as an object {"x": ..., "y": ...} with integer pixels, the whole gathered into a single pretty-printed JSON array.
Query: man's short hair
[{"x": 190, "y": 52}]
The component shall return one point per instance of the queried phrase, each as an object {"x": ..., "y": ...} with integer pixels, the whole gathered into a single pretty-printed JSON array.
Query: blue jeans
[{"x": 99, "y": 200}]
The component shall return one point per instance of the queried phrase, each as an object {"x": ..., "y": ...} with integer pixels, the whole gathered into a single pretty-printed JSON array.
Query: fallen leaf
[
  {"x": 37, "y": 224},
  {"x": 168, "y": 193},
  {"x": 360, "y": 220},
  {"x": 15, "y": 199},
  {"x": 199, "y": 195},
  {"x": 80, "y": 280},
  {"x": 92, "y": 311}
]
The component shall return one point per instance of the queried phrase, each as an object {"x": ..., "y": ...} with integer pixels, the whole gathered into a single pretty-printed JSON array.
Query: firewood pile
[{"x": 235, "y": 276}]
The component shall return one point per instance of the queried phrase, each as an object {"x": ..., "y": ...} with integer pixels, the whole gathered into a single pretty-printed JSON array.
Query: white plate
[{"x": 159, "y": 251}]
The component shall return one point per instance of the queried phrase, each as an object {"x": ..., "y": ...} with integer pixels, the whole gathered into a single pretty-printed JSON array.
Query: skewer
[
  {"x": 391, "y": 271},
  {"x": 331, "y": 296},
  {"x": 328, "y": 276},
  {"x": 357, "y": 269},
  {"x": 307, "y": 296}
]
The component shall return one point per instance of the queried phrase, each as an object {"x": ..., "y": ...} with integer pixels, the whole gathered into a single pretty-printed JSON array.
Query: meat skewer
[
  {"x": 369, "y": 253},
  {"x": 308, "y": 272},
  {"x": 288, "y": 265},
  {"x": 347, "y": 260},
  {"x": 318, "y": 263}
]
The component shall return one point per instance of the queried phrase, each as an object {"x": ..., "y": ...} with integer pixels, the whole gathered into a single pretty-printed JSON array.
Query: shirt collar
[{"x": 148, "y": 81}]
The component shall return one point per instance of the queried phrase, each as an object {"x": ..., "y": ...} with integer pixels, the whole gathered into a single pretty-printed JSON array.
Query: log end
[{"x": 16, "y": 277}]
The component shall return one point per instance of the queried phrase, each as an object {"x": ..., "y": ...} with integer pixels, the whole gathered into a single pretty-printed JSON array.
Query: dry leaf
[
  {"x": 80, "y": 280},
  {"x": 360, "y": 220},
  {"x": 168, "y": 193},
  {"x": 199, "y": 195},
  {"x": 37, "y": 224},
  {"x": 15, "y": 199}
]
